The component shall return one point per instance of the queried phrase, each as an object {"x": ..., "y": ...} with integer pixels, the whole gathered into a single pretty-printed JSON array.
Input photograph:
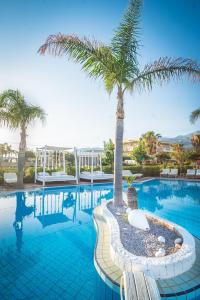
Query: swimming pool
[{"x": 47, "y": 237}]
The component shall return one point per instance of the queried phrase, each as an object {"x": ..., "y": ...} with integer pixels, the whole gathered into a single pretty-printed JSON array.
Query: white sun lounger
[
  {"x": 173, "y": 173},
  {"x": 198, "y": 173},
  {"x": 96, "y": 175},
  {"x": 128, "y": 173},
  {"x": 191, "y": 173},
  {"x": 10, "y": 178},
  {"x": 165, "y": 172},
  {"x": 55, "y": 177}
]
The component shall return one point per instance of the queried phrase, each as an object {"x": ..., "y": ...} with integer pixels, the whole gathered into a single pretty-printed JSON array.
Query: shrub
[{"x": 107, "y": 169}]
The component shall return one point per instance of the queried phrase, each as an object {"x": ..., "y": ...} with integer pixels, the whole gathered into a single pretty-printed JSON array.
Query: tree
[
  {"x": 117, "y": 65},
  {"x": 179, "y": 154},
  {"x": 195, "y": 115},
  {"x": 139, "y": 154},
  {"x": 196, "y": 142},
  {"x": 162, "y": 156},
  {"x": 29, "y": 155},
  {"x": 108, "y": 157},
  {"x": 16, "y": 113},
  {"x": 6, "y": 151},
  {"x": 194, "y": 155},
  {"x": 150, "y": 139}
]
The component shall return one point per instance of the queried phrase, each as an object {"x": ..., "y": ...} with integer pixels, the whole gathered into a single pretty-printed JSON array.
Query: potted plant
[{"x": 131, "y": 193}]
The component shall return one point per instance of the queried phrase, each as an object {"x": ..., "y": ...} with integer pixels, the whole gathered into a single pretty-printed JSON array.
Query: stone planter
[
  {"x": 132, "y": 198},
  {"x": 158, "y": 267}
]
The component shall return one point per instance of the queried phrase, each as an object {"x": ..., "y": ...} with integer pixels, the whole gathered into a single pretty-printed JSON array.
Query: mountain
[{"x": 180, "y": 139}]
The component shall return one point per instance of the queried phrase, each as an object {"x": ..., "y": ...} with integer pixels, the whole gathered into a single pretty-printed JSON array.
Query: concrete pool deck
[
  {"x": 188, "y": 282},
  {"x": 35, "y": 186}
]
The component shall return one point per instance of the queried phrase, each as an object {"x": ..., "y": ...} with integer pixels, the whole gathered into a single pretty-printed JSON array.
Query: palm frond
[
  {"x": 7, "y": 119},
  {"x": 11, "y": 102},
  {"x": 195, "y": 115},
  {"x": 32, "y": 112},
  {"x": 96, "y": 59},
  {"x": 165, "y": 69},
  {"x": 15, "y": 111},
  {"x": 125, "y": 41}
]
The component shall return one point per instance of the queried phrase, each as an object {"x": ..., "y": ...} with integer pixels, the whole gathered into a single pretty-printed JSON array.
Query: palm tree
[
  {"x": 196, "y": 142},
  {"x": 108, "y": 157},
  {"x": 149, "y": 140},
  {"x": 7, "y": 152},
  {"x": 16, "y": 113},
  {"x": 195, "y": 115},
  {"x": 179, "y": 154},
  {"x": 117, "y": 65}
]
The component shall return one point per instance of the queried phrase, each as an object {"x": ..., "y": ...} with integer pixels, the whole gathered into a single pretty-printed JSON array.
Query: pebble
[
  {"x": 161, "y": 239},
  {"x": 160, "y": 253},
  {"x": 178, "y": 241},
  {"x": 144, "y": 243}
]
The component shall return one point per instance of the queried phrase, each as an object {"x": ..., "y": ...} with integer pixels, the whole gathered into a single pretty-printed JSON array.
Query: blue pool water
[
  {"x": 47, "y": 237},
  {"x": 176, "y": 200}
]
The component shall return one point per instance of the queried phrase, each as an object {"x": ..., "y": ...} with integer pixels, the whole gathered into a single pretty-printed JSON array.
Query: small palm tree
[
  {"x": 196, "y": 142},
  {"x": 16, "y": 113},
  {"x": 195, "y": 115},
  {"x": 117, "y": 65},
  {"x": 149, "y": 140}
]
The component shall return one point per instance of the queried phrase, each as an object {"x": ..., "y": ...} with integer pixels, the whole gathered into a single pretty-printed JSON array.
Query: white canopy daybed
[
  {"x": 50, "y": 157},
  {"x": 91, "y": 158}
]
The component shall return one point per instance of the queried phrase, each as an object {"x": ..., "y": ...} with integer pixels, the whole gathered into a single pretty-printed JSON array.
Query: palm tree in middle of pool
[{"x": 117, "y": 65}]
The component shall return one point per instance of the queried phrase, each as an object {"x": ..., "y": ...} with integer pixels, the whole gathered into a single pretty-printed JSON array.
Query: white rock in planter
[
  {"x": 161, "y": 239},
  {"x": 178, "y": 241},
  {"x": 138, "y": 219},
  {"x": 160, "y": 253},
  {"x": 128, "y": 210},
  {"x": 118, "y": 214}
]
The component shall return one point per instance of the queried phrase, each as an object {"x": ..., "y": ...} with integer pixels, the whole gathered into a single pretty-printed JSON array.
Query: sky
[{"x": 79, "y": 111}]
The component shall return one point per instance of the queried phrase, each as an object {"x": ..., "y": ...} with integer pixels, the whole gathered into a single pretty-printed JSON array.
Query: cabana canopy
[
  {"x": 53, "y": 157},
  {"x": 91, "y": 158},
  {"x": 54, "y": 148}
]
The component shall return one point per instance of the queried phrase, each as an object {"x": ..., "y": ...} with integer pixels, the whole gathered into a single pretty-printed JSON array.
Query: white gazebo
[
  {"x": 51, "y": 158},
  {"x": 91, "y": 158}
]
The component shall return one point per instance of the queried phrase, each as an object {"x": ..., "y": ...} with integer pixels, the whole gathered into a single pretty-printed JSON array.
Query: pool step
[{"x": 138, "y": 286}]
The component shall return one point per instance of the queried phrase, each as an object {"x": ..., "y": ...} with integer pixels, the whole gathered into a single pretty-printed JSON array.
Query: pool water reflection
[{"x": 47, "y": 237}]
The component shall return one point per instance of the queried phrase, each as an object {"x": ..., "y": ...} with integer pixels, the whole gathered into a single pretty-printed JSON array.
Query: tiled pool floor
[
  {"x": 30, "y": 275},
  {"x": 186, "y": 285}
]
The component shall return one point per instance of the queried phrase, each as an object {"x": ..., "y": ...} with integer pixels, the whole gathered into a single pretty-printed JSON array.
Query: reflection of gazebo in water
[
  {"x": 51, "y": 207},
  {"x": 91, "y": 196}
]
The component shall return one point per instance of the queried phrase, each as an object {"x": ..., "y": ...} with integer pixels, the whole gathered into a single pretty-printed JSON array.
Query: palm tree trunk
[
  {"x": 21, "y": 157},
  {"x": 118, "y": 201}
]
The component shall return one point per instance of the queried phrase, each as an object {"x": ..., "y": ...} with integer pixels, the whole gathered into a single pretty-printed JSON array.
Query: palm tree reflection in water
[{"x": 21, "y": 212}]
